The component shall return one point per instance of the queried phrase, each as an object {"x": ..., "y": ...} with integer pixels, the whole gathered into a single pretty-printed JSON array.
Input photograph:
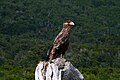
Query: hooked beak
[{"x": 72, "y": 23}]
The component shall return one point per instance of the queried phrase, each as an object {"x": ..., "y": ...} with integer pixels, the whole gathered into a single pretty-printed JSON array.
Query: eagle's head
[{"x": 68, "y": 23}]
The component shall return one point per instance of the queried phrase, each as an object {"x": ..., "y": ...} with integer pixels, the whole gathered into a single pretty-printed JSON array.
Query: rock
[{"x": 59, "y": 69}]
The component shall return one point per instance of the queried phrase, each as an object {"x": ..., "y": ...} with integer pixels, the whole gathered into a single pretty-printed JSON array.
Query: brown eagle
[{"x": 61, "y": 42}]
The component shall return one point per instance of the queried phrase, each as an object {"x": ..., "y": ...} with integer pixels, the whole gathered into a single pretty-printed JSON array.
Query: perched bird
[{"x": 61, "y": 42}]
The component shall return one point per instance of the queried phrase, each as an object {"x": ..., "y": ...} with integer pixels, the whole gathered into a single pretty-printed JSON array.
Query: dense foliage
[{"x": 28, "y": 28}]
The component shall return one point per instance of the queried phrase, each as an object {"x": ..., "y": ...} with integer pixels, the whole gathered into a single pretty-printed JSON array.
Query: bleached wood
[{"x": 59, "y": 69}]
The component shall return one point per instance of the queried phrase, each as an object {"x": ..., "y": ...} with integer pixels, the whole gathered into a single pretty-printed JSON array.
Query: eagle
[{"x": 61, "y": 42}]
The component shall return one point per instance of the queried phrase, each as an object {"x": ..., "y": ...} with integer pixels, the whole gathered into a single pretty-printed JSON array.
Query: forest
[{"x": 28, "y": 29}]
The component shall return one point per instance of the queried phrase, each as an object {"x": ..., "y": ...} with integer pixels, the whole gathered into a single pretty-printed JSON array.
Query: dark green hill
[{"x": 28, "y": 28}]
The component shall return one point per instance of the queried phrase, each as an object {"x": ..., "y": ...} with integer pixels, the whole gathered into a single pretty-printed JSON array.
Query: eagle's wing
[
  {"x": 60, "y": 41},
  {"x": 60, "y": 45},
  {"x": 55, "y": 44}
]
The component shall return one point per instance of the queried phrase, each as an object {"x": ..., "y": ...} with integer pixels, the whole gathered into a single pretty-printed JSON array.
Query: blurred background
[{"x": 28, "y": 28}]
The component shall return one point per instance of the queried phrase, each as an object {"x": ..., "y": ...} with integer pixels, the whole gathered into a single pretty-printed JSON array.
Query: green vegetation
[
  {"x": 28, "y": 28},
  {"x": 96, "y": 73}
]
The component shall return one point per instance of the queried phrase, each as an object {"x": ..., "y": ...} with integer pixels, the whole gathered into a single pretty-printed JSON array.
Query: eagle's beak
[{"x": 72, "y": 23}]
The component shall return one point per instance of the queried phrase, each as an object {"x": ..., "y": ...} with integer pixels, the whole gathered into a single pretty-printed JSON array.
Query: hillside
[{"x": 28, "y": 28}]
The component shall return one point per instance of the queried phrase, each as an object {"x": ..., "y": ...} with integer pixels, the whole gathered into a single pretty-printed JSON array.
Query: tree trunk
[{"x": 58, "y": 69}]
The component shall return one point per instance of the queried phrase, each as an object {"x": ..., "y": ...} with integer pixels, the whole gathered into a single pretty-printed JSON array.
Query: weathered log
[{"x": 59, "y": 69}]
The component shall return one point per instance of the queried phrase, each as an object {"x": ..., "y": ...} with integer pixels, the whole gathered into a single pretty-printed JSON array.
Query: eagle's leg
[
  {"x": 61, "y": 55},
  {"x": 51, "y": 58}
]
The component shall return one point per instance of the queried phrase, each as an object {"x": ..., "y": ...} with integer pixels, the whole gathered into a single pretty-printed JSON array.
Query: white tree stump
[{"x": 59, "y": 69}]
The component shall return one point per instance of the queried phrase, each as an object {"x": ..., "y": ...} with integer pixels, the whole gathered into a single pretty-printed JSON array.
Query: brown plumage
[{"x": 61, "y": 42}]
